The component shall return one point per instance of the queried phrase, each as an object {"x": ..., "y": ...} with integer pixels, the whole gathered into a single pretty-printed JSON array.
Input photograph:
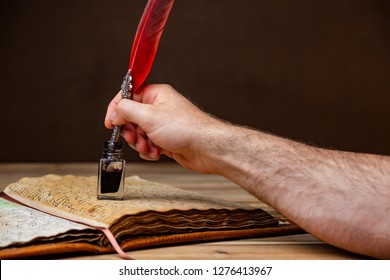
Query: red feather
[{"x": 146, "y": 40}]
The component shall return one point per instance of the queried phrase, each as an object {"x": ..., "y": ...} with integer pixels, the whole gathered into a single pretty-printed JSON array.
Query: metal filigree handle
[{"x": 126, "y": 88}]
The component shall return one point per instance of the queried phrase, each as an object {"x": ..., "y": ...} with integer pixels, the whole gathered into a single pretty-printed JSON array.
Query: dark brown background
[{"x": 314, "y": 71}]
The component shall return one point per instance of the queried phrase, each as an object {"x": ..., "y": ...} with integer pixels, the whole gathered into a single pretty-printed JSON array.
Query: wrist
[{"x": 229, "y": 150}]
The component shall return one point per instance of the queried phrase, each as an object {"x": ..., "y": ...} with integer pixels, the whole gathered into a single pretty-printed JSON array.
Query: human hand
[{"x": 161, "y": 121}]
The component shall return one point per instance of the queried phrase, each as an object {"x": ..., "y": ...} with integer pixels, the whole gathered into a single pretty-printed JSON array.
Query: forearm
[{"x": 342, "y": 198}]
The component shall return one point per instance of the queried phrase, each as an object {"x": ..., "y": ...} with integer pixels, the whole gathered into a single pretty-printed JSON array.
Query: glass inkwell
[
  {"x": 111, "y": 174},
  {"x": 111, "y": 181}
]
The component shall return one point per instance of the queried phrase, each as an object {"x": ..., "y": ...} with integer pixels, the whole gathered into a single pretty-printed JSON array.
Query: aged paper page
[
  {"x": 74, "y": 198},
  {"x": 20, "y": 224}
]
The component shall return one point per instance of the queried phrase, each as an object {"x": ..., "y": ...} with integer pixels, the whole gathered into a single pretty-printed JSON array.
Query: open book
[{"x": 61, "y": 214}]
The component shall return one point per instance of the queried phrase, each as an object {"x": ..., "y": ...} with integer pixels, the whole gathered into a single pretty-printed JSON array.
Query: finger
[
  {"x": 129, "y": 133},
  {"x": 153, "y": 154},
  {"x": 130, "y": 111},
  {"x": 153, "y": 151},
  {"x": 145, "y": 94},
  {"x": 146, "y": 149},
  {"x": 140, "y": 131},
  {"x": 111, "y": 109},
  {"x": 141, "y": 144},
  {"x": 147, "y": 157}
]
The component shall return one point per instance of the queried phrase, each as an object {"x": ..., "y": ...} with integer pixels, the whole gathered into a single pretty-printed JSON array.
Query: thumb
[{"x": 130, "y": 111}]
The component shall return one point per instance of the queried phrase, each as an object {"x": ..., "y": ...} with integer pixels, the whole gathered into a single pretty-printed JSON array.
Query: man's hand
[{"x": 161, "y": 121}]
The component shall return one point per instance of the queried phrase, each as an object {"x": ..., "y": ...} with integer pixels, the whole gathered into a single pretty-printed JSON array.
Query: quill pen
[
  {"x": 144, "y": 49},
  {"x": 112, "y": 165}
]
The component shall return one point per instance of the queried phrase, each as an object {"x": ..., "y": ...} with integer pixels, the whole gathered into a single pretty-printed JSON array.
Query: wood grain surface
[{"x": 302, "y": 246}]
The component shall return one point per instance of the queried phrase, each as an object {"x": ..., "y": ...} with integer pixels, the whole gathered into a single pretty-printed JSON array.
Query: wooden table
[{"x": 302, "y": 246}]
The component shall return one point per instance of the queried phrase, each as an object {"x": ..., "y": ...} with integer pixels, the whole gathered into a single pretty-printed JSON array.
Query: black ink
[
  {"x": 110, "y": 181},
  {"x": 111, "y": 172}
]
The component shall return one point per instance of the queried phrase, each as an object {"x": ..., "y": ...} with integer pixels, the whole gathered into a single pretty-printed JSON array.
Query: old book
[{"x": 61, "y": 214}]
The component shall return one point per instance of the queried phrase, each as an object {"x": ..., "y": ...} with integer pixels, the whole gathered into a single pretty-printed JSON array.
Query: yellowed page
[
  {"x": 20, "y": 224},
  {"x": 74, "y": 198}
]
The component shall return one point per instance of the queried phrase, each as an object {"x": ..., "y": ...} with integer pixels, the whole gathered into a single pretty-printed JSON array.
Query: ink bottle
[{"x": 111, "y": 175}]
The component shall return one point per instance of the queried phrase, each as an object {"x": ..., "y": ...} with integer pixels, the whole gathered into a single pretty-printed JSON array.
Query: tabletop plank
[{"x": 302, "y": 246}]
